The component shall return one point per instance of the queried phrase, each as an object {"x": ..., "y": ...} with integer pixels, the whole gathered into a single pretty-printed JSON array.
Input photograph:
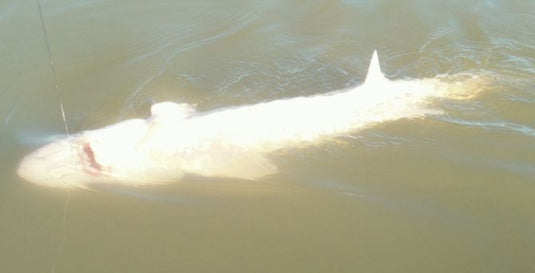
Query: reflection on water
[{"x": 441, "y": 193}]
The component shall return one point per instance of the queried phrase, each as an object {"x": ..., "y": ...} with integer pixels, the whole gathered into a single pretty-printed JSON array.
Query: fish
[{"x": 231, "y": 142}]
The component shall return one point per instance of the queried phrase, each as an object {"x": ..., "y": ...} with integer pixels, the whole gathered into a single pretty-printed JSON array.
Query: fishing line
[
  {"x": 53, "y": 67},
  {"x": 63, "y": 116},
  {"x": 62, "y": 243}
]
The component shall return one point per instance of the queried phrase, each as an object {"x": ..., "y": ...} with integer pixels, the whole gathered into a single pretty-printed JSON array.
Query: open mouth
[{"x": 87, "y": 158}]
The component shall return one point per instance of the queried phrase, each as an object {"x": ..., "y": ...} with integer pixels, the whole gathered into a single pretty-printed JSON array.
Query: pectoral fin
[{"x": 171, "y": 111}]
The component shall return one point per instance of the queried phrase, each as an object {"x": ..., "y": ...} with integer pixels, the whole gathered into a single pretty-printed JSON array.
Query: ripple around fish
[
  {"x": 515, "y": 167},
  {"x": 519, "y": 98},
  {"x": 31, "y": 138},
  {"x": 524, "y": 168},
  {"x": 493, "y": 125},
  {"x": 373, "y": 139},
  {"x": 148, "y": 196},
  {"x": 243, "y": 22}
]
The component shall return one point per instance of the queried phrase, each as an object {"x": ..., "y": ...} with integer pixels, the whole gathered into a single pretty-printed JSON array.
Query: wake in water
[{"x": 231, "y": 142}]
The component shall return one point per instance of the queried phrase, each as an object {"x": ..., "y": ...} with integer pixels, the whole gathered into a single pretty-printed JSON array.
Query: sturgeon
[{"x": 232, "y": 142}]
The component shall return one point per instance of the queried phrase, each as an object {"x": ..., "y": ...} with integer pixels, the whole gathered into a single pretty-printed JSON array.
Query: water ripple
[
  {"x": 242, "y": 23},
  {"x": 493, "y": 125}
]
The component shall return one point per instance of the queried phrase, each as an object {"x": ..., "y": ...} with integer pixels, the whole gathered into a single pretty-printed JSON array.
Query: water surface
[{"x": 448, "y": 193}]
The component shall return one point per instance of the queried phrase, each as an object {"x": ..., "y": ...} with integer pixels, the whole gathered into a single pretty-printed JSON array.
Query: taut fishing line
[{"x": 63, "y": 116}]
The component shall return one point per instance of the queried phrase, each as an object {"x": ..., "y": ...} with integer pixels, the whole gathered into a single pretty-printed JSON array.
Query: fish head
[{"x": 109, "y": 154}]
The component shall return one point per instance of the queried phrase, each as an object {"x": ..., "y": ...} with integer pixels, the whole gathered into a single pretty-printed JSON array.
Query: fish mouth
[
  {"x": 88, "y": 160},
  {"x": 60, "y": 164}
]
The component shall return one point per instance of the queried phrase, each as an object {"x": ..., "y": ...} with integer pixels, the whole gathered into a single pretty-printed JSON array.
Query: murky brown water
[{"x": 449, "y": 193}]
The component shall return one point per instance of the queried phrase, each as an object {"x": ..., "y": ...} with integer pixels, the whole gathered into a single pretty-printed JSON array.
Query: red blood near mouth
[{"x": 95, "y": 168}]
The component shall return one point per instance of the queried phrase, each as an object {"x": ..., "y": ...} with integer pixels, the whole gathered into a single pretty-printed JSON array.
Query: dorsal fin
[{"x": 374, "y": 71}]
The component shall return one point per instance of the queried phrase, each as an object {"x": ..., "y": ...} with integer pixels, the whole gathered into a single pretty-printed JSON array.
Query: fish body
[{"x": 232, "y": 142}]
